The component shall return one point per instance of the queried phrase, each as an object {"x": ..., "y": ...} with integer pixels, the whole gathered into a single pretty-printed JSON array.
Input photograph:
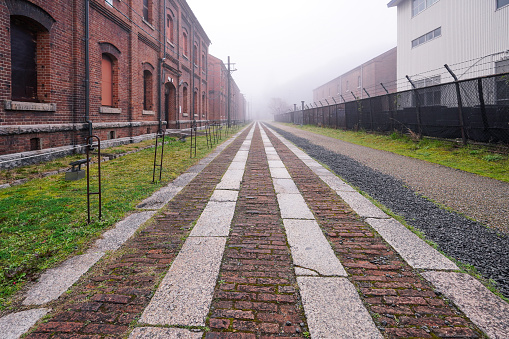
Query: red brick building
[
  {"x": 218, "y": 84},
  {"x": 369, "y": 75},
  {"x": 147, "y": 66},
  {"x": 218, "y": 94}
]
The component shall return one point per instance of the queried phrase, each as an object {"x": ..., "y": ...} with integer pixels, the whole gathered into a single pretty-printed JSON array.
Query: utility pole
[{"x": 230, "y": 70}]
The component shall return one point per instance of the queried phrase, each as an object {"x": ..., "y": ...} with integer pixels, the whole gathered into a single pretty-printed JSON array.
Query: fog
[{"x": 286, "y": 48}]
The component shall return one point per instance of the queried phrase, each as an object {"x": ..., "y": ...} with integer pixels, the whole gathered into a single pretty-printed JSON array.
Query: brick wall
[
  {"x": 381, "y": 69},
  {"x": 133, "y": 43}
]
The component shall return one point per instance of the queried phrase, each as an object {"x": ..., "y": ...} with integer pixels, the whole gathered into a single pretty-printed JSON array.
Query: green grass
[
  {"x": 44, "y": 221},
  {"x": 35, "y": 171},
  {"x": 482, "y": 160}
]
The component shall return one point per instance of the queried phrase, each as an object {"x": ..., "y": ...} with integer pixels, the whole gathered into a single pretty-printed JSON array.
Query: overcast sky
[{"x": 286, "y": 48}]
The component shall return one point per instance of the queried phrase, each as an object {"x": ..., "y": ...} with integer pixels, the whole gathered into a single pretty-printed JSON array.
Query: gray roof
[{"x": 394, "y": 3}]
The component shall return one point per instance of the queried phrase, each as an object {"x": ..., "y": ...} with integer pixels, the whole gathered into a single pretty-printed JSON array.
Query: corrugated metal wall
[{"x": 472, "y": 32}]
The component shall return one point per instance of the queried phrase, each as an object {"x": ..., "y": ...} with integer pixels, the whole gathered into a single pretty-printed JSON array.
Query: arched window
[
  {"x": 169, "y": 27},
  {"x": 195, "y": 54},
  {"x": 147, "y": 11},
  {"x": 23, "y": 61},
  {"x": 185, "y": 43},
  {"x": 107, "y": 81},
  {"x": 185, "y": 100},
  {"x": 147, "y": 91},
  {"x": 31, "y": 52}
]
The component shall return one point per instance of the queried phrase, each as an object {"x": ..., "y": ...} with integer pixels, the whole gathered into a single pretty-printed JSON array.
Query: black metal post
[
  {"x": 460, "y": 105},
  {"x": 89, "y": 148},
  {"x": 160, "y": 134},
  {"x": 417, "y": 105},
  {"x": 482, "y": 106}
]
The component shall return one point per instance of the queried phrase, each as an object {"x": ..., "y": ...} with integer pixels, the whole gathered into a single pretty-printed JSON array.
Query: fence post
[
  {"x": 417, "y": 105},
  {"x": 336, "y": 109},
  {"x": 370, "y": 109},
  {"x": 460, "y": 105},
  {"x": 483, "y": 106},
  {"x": 359, "y": 111},
  {"x": 391, "y": 115},
  {"x": 328, "y": 113},
  {"x": 323, "y": 114}
]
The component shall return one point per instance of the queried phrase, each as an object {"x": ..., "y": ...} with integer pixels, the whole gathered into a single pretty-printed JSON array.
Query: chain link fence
[{"x": 475, "y": 109}]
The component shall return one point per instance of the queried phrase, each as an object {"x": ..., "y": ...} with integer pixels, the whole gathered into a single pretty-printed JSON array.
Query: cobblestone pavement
[{"x": 261, "y": 289}]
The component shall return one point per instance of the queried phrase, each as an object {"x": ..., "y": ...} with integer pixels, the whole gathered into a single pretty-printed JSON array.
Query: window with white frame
[
  {"x": 502, "y": 3},
  {"x": 109, "y": 2},
  {"x": 420, "y": 5},
  {"x": 427, "y": 37}
]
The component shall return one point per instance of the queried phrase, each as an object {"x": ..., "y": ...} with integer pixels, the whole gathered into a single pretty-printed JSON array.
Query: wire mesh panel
[{"x": 480, "y": 111}]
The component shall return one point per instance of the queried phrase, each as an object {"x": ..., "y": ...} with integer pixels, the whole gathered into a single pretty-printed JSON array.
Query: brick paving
[
  {"x": 112, "y": 295},
  {"x": 256, "y": 294},
  {"x": 402, "y": 304}
]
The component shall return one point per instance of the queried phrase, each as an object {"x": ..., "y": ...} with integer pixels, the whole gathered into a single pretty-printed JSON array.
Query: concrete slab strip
[
  {"x": 237, "y": 165},
  {"x": 310, "y": 249},
  {"x": 184, "y": 179},
  {"x": 124, "y": 229},
  {"x": 276, "y": 164},
  {"x": 231, "y": 180},
  {"x": 224, "y": 195},
  {"x": 280, "y": 173},
  {"x": 285, "y": 186},
  {"x": 299, "y": 271},
  {"x": 413, "y": 249},
  {"x": 163, "y": 333},
  {"x": 13, "y": 325},
  {"x": 185, "y": 294},
  {"x": 160, "y": 198},
  {"x": 293, "y": 206},
  {"x": 337, "y": 184},
  {"x": 273, "y": 157},
  {"x": 56, "y": 281},
  {"x": 361, "y": 205},
  {"x": 215, "y": 220},
  {"x": 334, "y": 310},
  {"x": 484, "y": 308}
]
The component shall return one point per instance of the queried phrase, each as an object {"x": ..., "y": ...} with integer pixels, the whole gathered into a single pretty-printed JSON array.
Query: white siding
[{"x": 472, "y": 31}]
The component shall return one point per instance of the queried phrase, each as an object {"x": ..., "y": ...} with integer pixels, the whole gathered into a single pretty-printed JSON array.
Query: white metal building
[{"x": 471, "y": 36}]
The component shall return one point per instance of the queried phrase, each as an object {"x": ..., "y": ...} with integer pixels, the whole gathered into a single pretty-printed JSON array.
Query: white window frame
[
  {"x": 437, "y": 32},
  {"x": 498, "y": 5},
  {"x": 422, "y": 5},
  {"x": 109, "y": 2}
]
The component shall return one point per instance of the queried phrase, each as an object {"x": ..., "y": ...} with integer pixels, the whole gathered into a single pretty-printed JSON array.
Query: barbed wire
[{"x": 471, "y": 67}]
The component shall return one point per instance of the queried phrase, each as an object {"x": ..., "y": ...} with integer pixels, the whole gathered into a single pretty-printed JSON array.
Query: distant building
[
  {"x": 218, "y": 93},
  {"x": 218, "y": 82},
  {"x": 471, "y": 36},
  {"x": 368, "y": 76}
]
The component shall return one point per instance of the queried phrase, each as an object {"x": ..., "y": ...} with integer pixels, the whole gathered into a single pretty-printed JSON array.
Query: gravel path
[
  {"x": 483, "y": 199},
  {"x": 402, "y": 184}
]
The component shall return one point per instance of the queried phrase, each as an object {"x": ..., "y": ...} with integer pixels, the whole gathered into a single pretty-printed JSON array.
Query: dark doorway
[{"x": 170, "y": 104}]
